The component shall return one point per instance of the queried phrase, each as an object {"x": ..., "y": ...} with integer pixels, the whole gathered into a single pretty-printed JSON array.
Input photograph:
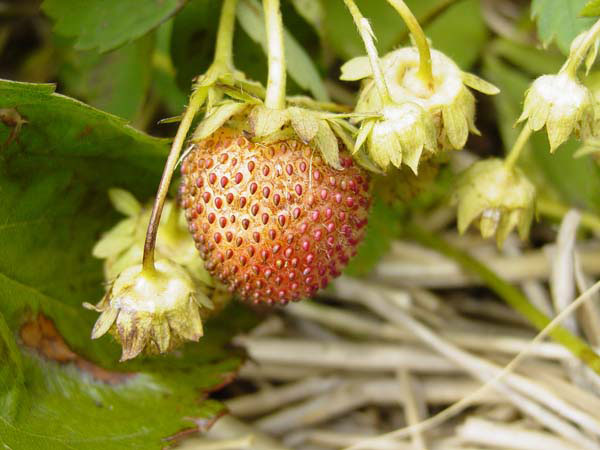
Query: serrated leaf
[
  {"x": 300, "y": 66},
  {"x": 304, "y": 123},
  {"x": 591, "y": 9},
  {"x": 327, "y": 143},
  {"x": 107, "y": 24},
  {"x": 59, "y": 389},
  {"x": 217, "y": 118},
  {"x": 559, "y": 21}
]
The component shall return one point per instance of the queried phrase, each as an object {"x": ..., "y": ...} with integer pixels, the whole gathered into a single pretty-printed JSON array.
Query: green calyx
[
  {"x": 495, "y": 197},
  {"x": 561, "y": 104},
  {"x": 310, "y": 123},
  {"x": 151, "y": 311},
  {"x": 419, "y": 116},
  {"x": 399, "y": 135}
]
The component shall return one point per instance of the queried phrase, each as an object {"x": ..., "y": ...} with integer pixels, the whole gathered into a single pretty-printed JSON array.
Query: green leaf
[
  {"x": 300, "y": 66},
  {"x": 313, "y": 12},
  {"x": 591, "y": 9},
  {"x": 382, "y": 228},
  {"x": 116, "y": 82},
  {"x": 58, "y": 388},
  {"x": 559, "y": 21},
  {"x": 108, "y": 24}
]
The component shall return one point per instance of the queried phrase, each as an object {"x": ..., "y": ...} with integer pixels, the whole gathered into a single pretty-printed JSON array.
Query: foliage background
[{"x": 119, "y": 66}]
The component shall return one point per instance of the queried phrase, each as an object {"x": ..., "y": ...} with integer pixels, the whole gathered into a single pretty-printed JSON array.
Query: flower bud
[
  {"x": 154, "y": 311},
  {"x": 448, "y": 104},
  {"x": 563, "y": 105},
  {"x": 399, "y": 136},
  {"x": 495, "y": 197}
]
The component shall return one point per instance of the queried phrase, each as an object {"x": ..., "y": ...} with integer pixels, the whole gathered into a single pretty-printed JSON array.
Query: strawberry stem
[
  {"x": 275, "y": 95},
  {"x": 517, "y": 148},
  {"x": 224, "y": 45},
  {"x": 366, "y": 34},
  {"x": 425, "y": 69},
  {"x": 576, "y": 58},
  {"x": 223, "y": 60},
  {"x": 196, "y": 100}
]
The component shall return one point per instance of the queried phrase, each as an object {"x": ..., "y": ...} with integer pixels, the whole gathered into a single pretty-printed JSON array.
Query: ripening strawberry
[{"x": 272, "y": 221}]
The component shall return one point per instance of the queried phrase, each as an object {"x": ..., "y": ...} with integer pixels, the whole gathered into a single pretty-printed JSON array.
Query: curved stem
[
  {"x": 510, "y": 294},
  {"x": 557, "y": 210},
  {"x": 425, "y": 69},
  {"x": 223, "y": 58},
  {"x": 275, "y": 95},
  {"x": 517, "y": 148},
  {"x": 224, "y": 45},
  {"x": 577, "y": 57},
  {"x": 366, "y": 34},
  {"x": 427, "y": 17},
  {"x": 196, "y": 100}
]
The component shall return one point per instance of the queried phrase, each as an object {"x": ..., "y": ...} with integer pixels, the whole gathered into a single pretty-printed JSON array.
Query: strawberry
[{"x": 272, "y": 221}]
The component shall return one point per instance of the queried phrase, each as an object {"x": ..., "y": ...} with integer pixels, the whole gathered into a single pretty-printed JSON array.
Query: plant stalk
[
  {"x": 224, "y": 45},
  {"x": 275, "y": 95},
  {"x": 556, "y": 210},
  {"x": 366, "y": 34},
  {"x": 223, "y": 60},
  {"x": 196, "y": 100},
  {"x": 510, "y": 294},
  {"x": 576, "y": 58},
  {"x": 425, "y": 72},
  {"x": 517, "y": 148}
]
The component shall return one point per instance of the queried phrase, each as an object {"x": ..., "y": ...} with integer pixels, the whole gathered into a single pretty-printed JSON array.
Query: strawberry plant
[{"x": 296, "y": 192}]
